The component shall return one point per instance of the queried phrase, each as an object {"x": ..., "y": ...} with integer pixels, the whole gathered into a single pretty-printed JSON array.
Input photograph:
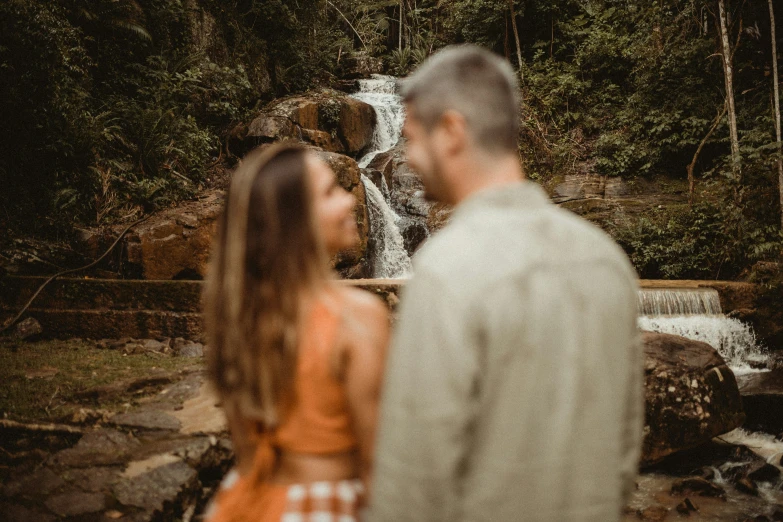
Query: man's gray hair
[{"x": 474, "y": 82}]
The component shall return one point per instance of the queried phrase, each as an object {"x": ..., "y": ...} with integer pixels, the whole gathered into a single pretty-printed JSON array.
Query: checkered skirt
[{"x": 323, "y": 501}]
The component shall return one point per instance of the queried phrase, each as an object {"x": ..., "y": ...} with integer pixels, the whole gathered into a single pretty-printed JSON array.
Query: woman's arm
[{"x": 367, "y": 341}]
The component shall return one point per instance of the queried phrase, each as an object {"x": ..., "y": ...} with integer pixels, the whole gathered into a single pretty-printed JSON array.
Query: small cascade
[
  {"x": 733, "y": 339},
  {"x": 390, "y": 260},
  {"x": 380, "y": 92},
  {"x": 678, "y": 301},
  {"x": 695, "y": 313},
  {"x": 389, "y": 257}
]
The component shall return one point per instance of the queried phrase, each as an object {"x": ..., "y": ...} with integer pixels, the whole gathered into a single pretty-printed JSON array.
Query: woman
[{"x": 296, "y": 359}]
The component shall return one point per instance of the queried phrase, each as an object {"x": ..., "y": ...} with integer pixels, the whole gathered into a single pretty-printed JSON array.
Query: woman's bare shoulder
[
  {"x": 364, "y": 310},
  {"x": 362, "y": 301}
]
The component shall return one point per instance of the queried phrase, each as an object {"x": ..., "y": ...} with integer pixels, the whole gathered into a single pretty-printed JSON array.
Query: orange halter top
[{"x": 318, "y": 420}]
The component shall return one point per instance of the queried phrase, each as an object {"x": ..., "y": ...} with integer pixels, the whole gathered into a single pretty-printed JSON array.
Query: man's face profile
[{"x": 421, "y": 154}]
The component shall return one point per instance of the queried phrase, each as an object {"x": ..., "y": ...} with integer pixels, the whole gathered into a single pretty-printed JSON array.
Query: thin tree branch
[{"x": 349, "y": 23}]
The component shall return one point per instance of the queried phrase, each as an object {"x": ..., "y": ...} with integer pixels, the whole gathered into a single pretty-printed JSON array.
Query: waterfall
[
  {"x": 733, "y": 339},
  {"x": 390, "y": 260},
  {"x": 696, "y": 314},
  {"x": 680, "y": 301},
  {"x": 380, "y": 92}
]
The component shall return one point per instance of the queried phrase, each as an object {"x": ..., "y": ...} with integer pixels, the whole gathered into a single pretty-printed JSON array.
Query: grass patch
[{"x": 47, "y": 380}]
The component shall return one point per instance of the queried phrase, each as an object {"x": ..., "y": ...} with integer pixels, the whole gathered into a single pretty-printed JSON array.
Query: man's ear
[{"x": 454, "y": 131}]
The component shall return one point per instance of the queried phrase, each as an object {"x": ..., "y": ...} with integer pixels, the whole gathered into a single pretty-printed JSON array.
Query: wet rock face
[{"x": 691, "y": 396}]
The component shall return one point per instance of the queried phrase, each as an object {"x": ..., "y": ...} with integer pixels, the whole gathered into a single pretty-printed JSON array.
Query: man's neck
[{"x": 486, "y": 172}]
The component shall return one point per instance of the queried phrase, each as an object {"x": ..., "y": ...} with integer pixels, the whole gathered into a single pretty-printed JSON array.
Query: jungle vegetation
[{"x": 114, "y": 108}]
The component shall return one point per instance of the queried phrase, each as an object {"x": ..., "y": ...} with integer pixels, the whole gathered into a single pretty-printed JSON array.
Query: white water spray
[
  {"x": 380, "y": 92},
  {"x": 733, "y": 339}
]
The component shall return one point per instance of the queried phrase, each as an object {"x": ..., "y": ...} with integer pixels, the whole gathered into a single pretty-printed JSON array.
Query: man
[{"x": 513, "y": 390}]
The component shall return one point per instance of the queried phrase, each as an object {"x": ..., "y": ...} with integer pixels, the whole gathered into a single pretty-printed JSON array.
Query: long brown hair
[{"x": 266, "y": 253}]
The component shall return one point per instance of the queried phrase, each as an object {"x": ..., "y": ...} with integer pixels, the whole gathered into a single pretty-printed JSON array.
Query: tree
[
  {"x": 775, "y": 83},
  {"x": 728, "y": 71},
  {"x": 516, "y": 37}
]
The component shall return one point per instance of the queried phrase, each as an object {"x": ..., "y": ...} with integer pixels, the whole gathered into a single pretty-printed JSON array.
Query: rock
[
  {"x": 322, "y": 139},
  {"x": 41, "y": 482},
  {"x": 691, "y": 396},
  {"x": 93, "y": 480},
  {"x": 746, "y": 485},
  {"x": 146, "y": 419},
  {"x": 697, "y": 486},
  {"x": 357, "y": 125},
  {"x": 331, "y": 120},
  {"x": 152, "y": 345},
  {"x": 762, "y": 399},
  {"x": 301, "y": 111},
  {"x": 653, "y": 513},
  {"x": 686, "y": 507},
  {"x": 28, "y": 329},
  {"x": 165, "y": 248},
  {"x": 414, "y": 233},
  {"x": 152, "y": 490},
  {"x": 76, "y": 503},
  {"x": 384, "y": 165},
  {"x": 102, "y": 447},
  {"x": 267, "y": 128},
  {"x": 764, "y": 473},
  {"x": 191, "y": 350},
  {"x": 17, "y": 513}
]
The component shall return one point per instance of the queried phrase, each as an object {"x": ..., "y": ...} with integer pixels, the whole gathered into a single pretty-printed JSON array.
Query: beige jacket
[{"x": 513, "y": 390}]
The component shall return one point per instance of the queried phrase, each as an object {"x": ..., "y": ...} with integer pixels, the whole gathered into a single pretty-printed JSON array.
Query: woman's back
[
  {"x": 318, "y": 420},
  {"x": 315, "y": 456}
]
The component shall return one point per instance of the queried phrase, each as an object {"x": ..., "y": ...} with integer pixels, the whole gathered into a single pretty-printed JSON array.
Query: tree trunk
[
  {"x": 402, "y": 10},
  {"x": 776, "y": 91},
  {"x": 692, "y": 165},
  {"x": 516, "y": 37},
  {"x": 729, "y": 79}
]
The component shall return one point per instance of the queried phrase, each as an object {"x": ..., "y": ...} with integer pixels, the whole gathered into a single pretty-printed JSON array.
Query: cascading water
[
  {"x": 734, "y": 340},
  {"x": 696, "y": 314},
  {"x": 381, "y": 92},
  {"x": 390, "y": 260},
  {"x": 683, "y": 301}
]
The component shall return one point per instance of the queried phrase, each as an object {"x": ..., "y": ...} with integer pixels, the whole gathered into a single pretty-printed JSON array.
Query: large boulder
[
  {"x": 356, "y": 125},
  {"x": 175, "y": 243},
  {"x": 330, "y": 120},
  {"x": 691, "y": 395},
  {"x": 762, "y": 399}
]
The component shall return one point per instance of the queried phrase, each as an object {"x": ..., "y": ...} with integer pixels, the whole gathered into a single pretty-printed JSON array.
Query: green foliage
[
  {"x": 675, "y": 243},
  {"x": 329, "y": 115},
  {"x": 118, "y": 107}
]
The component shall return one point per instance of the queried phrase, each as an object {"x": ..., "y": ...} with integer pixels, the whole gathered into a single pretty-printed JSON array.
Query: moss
[{"x": 46, "y": 380}]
